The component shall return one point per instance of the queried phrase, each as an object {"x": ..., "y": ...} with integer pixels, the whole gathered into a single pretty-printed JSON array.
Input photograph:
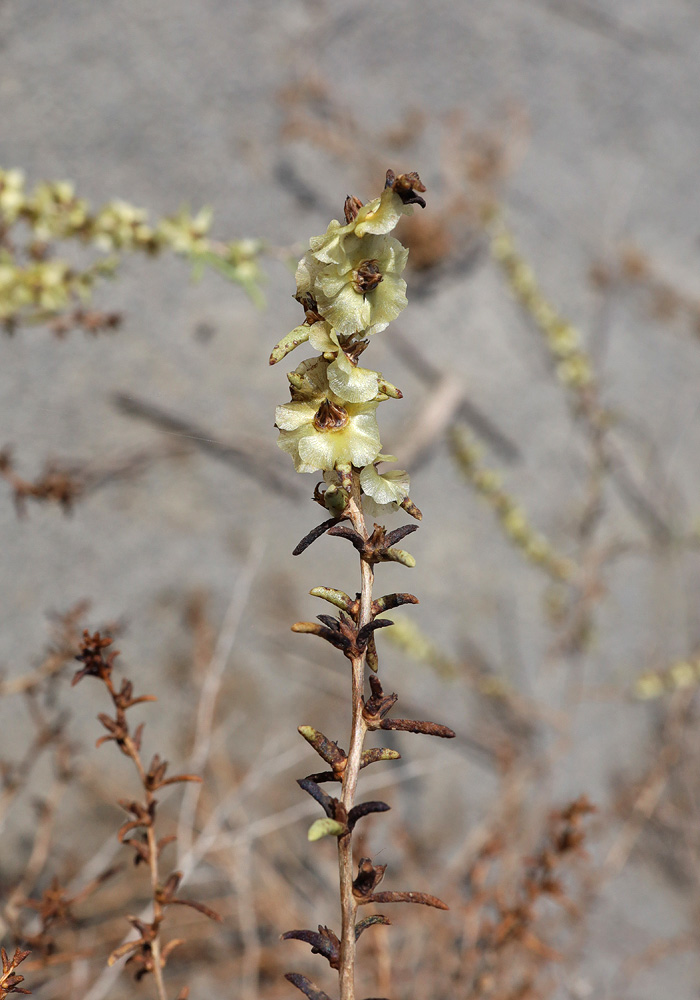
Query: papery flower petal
[
  {"x": 328, "y": 248},
  {"x": 307, "y": 271},
  {"x": 376, "y": 511},
  {"x": 356, "y": 443},
  {"x": 388, "y": 488},
  {"x": 291, "y": 416},
  {"x": 332, "y": 281},
  {"x": 390, "y": 253},
  {"x": 323, "y": 450},
  {"x": 309, "y": 380},
  {"x": 394, "y": 255},
  {"x": 290, "y": 441},
  {"x": 388, "y": 299},
  {"x": 348, "y": 312},
  {"x": 351, "y": 383},
  {"x": 323, "y": 337},
  {"x": 381, "y": 214},
  {"x": 377, "y": 217},
  {"x": 365, "y": 444}
]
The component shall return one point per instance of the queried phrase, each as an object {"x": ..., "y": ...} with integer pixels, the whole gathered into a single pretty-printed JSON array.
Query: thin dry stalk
[
  {"x": 211, "y": 685},
  {"x": 147, "y": 953}
]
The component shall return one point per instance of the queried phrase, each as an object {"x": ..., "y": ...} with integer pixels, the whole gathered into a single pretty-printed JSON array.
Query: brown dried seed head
[
  {"x": 351, "y": 208},
  {"x": 355, "y": 350},
  {"x": 406, "y": 186},
  {"x": 330, "y": 417},
  {"x": 366, "y": 277}
]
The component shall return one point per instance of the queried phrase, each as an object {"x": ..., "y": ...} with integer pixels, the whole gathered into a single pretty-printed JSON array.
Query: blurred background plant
[{"x": 39, "y": 286}]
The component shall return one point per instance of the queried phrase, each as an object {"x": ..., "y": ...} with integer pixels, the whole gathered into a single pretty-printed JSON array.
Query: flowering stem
[
  {"x": 352, "y": 769},
  {"x": 349, "y": 285}
]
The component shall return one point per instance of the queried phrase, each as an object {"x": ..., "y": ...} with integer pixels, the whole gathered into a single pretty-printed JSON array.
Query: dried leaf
[
  {"x": 315, "y": 533},
  {"x": 325, "y": 801},
  {"x": 376, "y": 754},
  {"x": 414, "y": 726},
  {"x": 306, "y": 986},
  {"x": 323, "y": 942},
  {"x": 363, "y": 636},
  {"x": 335, "y": 638},
  {"x": 376, "y": 918},
  {"x": 364, "y": 809},
  {"x": 406, "y": 897},
  {"x": 299, "y": 335},
  {"x": 337, "y": 597},
  {"x": 325, "y": 748},
  {"x": 399, "y": 556},
  {"x": 392, "y": 537},
  {"x": 390, "y": 601}
]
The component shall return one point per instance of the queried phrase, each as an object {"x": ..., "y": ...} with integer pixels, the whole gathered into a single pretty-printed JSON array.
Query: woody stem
[
  {"x": 352, "y": 768},
  {"x": 133, "y": 752}
]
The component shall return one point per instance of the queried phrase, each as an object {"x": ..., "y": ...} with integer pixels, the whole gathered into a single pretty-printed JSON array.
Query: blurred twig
[
  {"x": 254, "y": 461},
  {"x": 211, "y": 683}
]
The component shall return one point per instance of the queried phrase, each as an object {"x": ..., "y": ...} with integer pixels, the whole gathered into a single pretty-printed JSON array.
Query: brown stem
[
  {"x": 152, "y": 864},
  {"x": 157, "y": 914},
  {"x": 352, "y": 769}
]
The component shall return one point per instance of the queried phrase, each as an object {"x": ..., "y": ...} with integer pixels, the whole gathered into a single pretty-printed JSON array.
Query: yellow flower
[
  {"x": 386, "y": 488},
  {"x": 309, "y": 381},
  {"x": 320, "y": 430},
  {"x": 350, "y": 382},
  {"x": 383, "y": 492},
  {"x": 365, "y": 290},
  {"x": 377, "y": 217},
  {"x": 345, "y": 378},
  {"x": 12, "y": 197}
]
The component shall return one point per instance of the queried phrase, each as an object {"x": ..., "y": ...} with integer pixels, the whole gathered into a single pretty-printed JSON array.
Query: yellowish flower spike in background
[
  {"x": 40, "y": 283},
  {"x": 349, "y": 286}
]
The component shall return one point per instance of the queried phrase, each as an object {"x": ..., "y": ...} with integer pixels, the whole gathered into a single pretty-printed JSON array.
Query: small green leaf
[
  {"x": 388, "y": 389},
  {"x": 299, "y": 335},
  {"x": 337, "y": 597},
  {"x": 325, "y": 827},
  {"x": 378, "y": 753},
  {"x": 400, "y": 556}
]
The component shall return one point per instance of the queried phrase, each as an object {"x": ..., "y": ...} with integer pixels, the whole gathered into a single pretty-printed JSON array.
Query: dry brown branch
[
  {"x": 148, "y": 953},
  {"x": 67, "y": 482},
  {"x": 9, "y": 979}
]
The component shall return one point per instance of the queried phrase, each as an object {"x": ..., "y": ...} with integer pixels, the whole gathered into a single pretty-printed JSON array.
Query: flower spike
[{"x": 350, "y": 284}]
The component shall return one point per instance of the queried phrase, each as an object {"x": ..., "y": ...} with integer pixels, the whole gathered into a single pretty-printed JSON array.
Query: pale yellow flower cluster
[
  {"x": 679, "y": 675},
  {"x": 36, "y": 284},
  {"x": 350, "y": 286},
  {"x": 573, "y": 366},
  {"x": 512, "y": 517}
]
